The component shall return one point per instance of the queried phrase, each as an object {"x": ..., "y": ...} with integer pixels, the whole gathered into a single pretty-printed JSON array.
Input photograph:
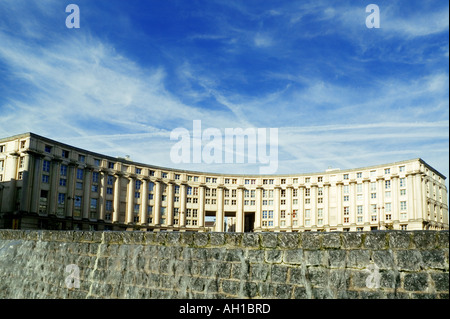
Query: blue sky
[{"x": 340, "y": 94}]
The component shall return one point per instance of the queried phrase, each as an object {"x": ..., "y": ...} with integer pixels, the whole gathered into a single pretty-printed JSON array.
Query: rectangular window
[
  {"x": 402, "y": 182},
  {"x": 359, "y": 209},
  {"x": 387, "y": 184},
  {"x": 61, "y": 198},
  {"x": 79, "y": 173},
  {"x": 46, "y": 166},
  {"x": 95, "y": 176},
  {"x": 403, "y": 205},
  {"x": 47, "y": 148},
  {"x": 63, "y": 170},
  {"x": 359, "y": 175},
  {"x": 109, "y": 206},
  {"x": 45, "y": 179},
  {"x": 62, "y": 182},
  {"x": 387, "y": 171}
]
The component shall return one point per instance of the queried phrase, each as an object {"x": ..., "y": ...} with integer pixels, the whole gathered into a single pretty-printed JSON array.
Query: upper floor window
[{"x": 48, "y": 148}]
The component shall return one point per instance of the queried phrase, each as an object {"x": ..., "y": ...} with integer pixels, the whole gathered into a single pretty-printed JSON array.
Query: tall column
[
  {"x": 326, "y": 205},
  {"x": 183, "y": 205},
  {"x": 314, "y": 205},
  {"x": 219, "y": 216},
  {"x": 35, "y": 191},
  {"x": 201, "y": 206},
  {"x": 144, "y": 201},
  {"x": 258, "y": 213},
  {"x": 410, "y": 194},
  {"x": 289, "y": 207},
  {"x": 353, "y": 202},
  {"x": 170, "y": 203},
  {"x": 380, "y": 200},
  {"x": 276, "y": 210},
  {"x": 70, "y": 184},
  {"x": 240, "y": 210},
  {"x": 301, "y": 206},
  {"x": 339, "y": 204},
  {"x": 130, "y": 200},
  {"x": 395, "y": 201},
  {"x": 157, "y": 200},
  {"x": 367, "y": 219},
  {"x": 53, "y": 194},
  {"x": 419, "y": 197},
  {"x": 102, "y": 193},
  {"x": 87, "y": 192},
  {"x": 117, "y": 186}
]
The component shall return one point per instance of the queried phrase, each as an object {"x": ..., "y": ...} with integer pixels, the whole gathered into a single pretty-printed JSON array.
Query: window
[
  {"x": 61, "y": 198},
  {"x": 46, "y": 166},
  {"x": 62, "y": 182},
  {"x": 346, "y": 211},
  {"x": 320, "y": 191},
  {"x": 94, "y": 188},
  {"x": 283, "y": 181},
  {"x": 79, "y": 173},
  {"x": 403, "y": 205},
  {"x": 387, "y": 184},
  {"x": 2, "y": 165},
  {"x": 388, "y": 207},
  {"x": 111, "y": 165},
  {"x": 81, "y": 158},
  {"x": 307, "y": 191},
  {"x": 307, "y": 180},
  {"x": 403, "y": 227},
  {"x": 387, "y": 171},
  {"x": 164, "y": 175},
  {"x": 359, "y": 175},
  {"x": 346, "y": 198},
  {"x": 402, "y": 192},
  {"x": 95, "y": 176},
  {"x": 402, "y": 182},
  {"x": 359, "y": 188},
  {"x": 177, "y": 176},
  {"x": 79, "y": 185},
  {"x": 359, "y": 209},
  {"x": 402, "y": 169},
  {"x": 387, "y": 194},
  {"x": 45, "y": 179},
  {"x": 2, "y": 148},
  {"x": 373, "y": 195},
  {"x": 48, "y": 149},
  {"x": 373, "y": 186},
  {"x": 345, "y": 176},
  {"x": 372, "y": 173},
  {"x": 320, "y": 179},
  {"x": 346, "y": 189}
]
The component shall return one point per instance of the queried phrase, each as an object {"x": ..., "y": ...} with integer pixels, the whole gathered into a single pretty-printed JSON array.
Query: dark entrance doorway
[{"x": 249, "y": 222}]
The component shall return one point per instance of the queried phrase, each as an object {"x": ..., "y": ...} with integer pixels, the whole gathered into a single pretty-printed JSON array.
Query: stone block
[
  {"x": 300, "y": 293},
  {"x": 250, "y": 240},
  {"x": 233, "y": 239},
  {"x": 441, "y": 281},
  {"x": 201, "y": 239},
  {"x": 288, "y": 240},
  {"x": 273, "y": 256},
  {"x": 231, "y": 287},
  {"x": 269, "y": 240},
  {"x": 283, "y": 291},
  {"x": 384, "y": 259},
  {"x": 187, "y": 238},
  {"x": 331, "y": 241},
  {"x": 424, "y": 239},
  {"x": 217, "y": 239},
  {"x": 315, "y": 257},
  {"x": 443, "y": 239},
  {"x": 434, "y": 259},
  {"x": 409, "y": 260},
  {"x": 317, "y": 276},
  {"x": 375, "y": 240},
  {"x": 415, "y": 281},
  {"x": 259, "y": 272},
  {"x": 337, "y": 258},
  {"x": 400, "y": 240},
  {"x": 352, "y": 240},
  {"x": 358, "y": 258},
  {"x": 278, "y": 273},
  {"x": 311, "y": 240},
  {"x": 293, "y": 256}
]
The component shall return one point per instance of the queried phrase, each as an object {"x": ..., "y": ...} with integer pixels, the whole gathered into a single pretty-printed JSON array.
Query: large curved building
[{"x": 45, "y": 184}]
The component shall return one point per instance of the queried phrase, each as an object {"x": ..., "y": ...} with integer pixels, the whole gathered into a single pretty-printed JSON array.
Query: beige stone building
[{"x": 45, "y": 184}]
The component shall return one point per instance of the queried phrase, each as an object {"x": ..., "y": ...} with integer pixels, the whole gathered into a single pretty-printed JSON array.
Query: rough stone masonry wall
[{"x": 409, "y": 264}]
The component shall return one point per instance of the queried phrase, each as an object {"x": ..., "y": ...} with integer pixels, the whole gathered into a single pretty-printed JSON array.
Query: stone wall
[{"x": 384, "y": 264}]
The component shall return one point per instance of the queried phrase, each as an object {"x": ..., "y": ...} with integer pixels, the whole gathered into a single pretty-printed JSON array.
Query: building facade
[{"x": 45, "y": 184}]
